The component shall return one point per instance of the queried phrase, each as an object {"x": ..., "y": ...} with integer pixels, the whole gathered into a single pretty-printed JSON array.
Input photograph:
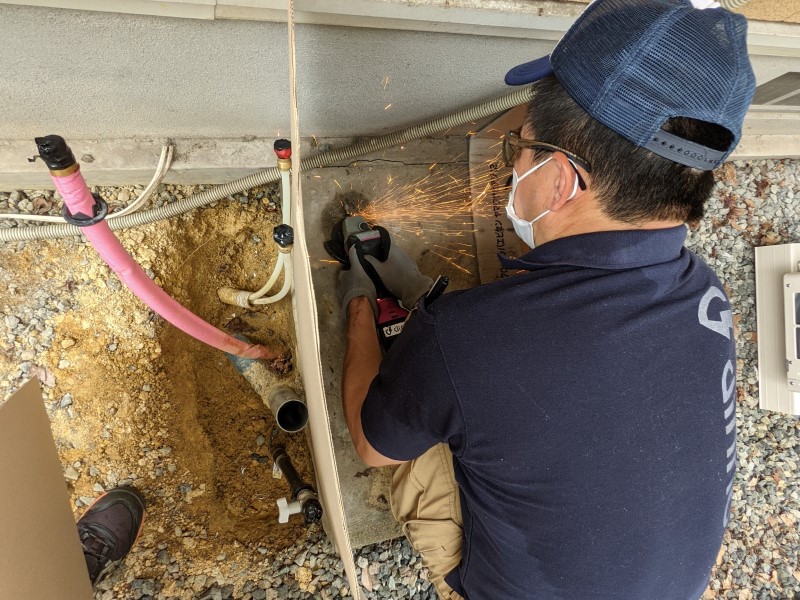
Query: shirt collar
[{"x": 611, "y": 250}]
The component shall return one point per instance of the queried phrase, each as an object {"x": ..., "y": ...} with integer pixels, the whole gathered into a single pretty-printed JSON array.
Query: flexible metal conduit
[
  {"x": 322, "y": 159},
  {"x": 733, "y": 4}
]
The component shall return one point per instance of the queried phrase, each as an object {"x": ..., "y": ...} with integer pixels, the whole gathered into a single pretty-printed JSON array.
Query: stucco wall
[
  {"x": 88, "y": 75},
  {"x": 105, "y": 75}
]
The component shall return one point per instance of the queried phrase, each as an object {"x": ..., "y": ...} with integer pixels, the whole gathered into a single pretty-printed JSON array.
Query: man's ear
[{"x": 565, "y": 182}]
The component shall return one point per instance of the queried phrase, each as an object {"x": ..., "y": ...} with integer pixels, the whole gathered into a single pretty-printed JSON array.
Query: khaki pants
[{"x": 425, "y": 501}]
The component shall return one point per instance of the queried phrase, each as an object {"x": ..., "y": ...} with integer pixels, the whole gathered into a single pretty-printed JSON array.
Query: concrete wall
[{"x": 102, "y": 75}]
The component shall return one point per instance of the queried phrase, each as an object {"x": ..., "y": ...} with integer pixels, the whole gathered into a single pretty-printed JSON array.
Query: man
[{"x": 568, "y": 432}]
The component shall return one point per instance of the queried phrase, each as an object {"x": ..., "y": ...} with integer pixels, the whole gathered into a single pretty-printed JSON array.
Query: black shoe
[{"x": 108, "y": 529}]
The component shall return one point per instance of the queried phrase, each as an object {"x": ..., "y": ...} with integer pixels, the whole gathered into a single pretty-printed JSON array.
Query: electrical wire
[{"x": 164, "y": 164}]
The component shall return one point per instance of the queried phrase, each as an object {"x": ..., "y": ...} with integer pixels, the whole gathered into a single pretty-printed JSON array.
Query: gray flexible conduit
[
  {"x": 732, "y": 4},
  {"x": 219, "y": 192}
]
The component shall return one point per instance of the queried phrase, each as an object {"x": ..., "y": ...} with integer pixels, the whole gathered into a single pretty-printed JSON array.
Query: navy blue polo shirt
[{"x": 589, "y": 405}]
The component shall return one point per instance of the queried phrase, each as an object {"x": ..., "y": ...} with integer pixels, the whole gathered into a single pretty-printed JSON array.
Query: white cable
[
  {"x": 161, "y": 170},
  {"x": 29, "y": 217},
  {"x": 164, "y": 164}
]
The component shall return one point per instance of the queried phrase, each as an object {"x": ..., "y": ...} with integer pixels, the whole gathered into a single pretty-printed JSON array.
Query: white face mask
[{"x": 523, "y": 228}]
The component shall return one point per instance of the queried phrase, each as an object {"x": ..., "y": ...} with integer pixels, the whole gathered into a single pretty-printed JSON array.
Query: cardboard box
[{"x": 40, "y": 553}]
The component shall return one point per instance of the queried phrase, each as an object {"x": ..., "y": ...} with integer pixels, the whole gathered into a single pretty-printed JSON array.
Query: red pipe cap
[{"x": 283, "y": 148}]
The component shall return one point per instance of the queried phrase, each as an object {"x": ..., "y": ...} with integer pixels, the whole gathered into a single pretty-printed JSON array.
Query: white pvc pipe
[
  {"x": 283, "y": 262},
  {"x": 287, "y": 283},
  {"x": 276, "y": 272},
  {"x": 286, "y": 194}
]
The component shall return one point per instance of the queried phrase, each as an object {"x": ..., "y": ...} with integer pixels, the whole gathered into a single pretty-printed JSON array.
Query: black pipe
[{"x": 302, "y": 491}]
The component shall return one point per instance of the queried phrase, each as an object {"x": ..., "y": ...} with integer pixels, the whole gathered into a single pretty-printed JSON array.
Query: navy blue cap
[
  {"x": 530, "y": 71},
  {"x": 634, "y": 64}
]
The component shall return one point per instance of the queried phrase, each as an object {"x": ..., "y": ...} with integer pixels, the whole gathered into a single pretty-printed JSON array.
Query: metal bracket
[{"x": 99, "y": 210}]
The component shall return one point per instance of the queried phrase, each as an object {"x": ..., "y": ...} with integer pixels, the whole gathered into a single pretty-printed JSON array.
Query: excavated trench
[{"x": 150, "y": 406}]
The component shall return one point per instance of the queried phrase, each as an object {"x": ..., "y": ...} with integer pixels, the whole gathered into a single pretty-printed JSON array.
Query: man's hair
[{"x": 632, "y": 184}]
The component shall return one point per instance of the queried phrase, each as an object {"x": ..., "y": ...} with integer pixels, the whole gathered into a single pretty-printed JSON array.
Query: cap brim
[{"x": 530, "y": 71}]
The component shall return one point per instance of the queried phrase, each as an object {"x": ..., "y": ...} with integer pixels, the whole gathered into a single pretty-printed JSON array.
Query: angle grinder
[{"x": 352, "y": 231}]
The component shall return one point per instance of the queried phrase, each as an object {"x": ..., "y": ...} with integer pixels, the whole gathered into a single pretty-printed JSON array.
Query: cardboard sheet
[
  {"x": 493, "y": 230},
  {"x": 40, "y": 553},
  {"x": 308, "y": 352}
]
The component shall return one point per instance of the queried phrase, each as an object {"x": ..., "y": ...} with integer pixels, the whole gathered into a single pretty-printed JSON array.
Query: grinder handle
[{"x": 380, "y": 288}]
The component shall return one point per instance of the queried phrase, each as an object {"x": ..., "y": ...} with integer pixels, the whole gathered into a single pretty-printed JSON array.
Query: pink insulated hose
[{"x": 79, "y": 202}]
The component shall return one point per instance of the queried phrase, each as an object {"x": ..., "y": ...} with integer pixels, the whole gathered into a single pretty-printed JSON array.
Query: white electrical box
[{"x": 778, "y": 325}]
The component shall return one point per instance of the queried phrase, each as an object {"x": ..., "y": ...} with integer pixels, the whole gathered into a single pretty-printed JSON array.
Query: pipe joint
[
  {"x": 283, "y": 148},
  {"x": 290, "y": 411},
  {"x": 310, "y": 506},
  {"x": 55, "y": 153},
  {"x": 235, "y": 297}
]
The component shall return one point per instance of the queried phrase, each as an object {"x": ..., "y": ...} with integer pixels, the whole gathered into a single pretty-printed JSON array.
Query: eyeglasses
[{"x": 513, "y": 145}]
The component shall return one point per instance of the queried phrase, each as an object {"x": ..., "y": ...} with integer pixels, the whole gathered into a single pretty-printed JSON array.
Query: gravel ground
[{"x": 753, "y": 205}]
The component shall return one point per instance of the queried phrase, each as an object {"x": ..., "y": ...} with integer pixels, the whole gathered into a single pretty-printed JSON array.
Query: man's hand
[
  {"x": 400, "y": 274},
  {"x": 355, "y": 282}
]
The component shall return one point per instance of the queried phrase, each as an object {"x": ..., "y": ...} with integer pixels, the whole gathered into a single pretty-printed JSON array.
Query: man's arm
[{"x": 361, "y": 361}]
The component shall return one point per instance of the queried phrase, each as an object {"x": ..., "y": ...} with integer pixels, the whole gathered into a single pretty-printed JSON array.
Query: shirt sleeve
[{"x": 411, "y": 404}]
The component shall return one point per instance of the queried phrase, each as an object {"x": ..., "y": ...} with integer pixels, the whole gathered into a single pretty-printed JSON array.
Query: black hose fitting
[
  {"x": 283, "y": 235},
  {"x": 312, "y": 511},
  {"x": 55, "y": 152}
]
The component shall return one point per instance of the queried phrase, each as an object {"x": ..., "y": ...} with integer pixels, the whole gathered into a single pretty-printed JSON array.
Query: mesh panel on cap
[
  {"x": 744, "y": 89},
  {"x": 593, "y": 51},
  {"x": 632, "y": 64},
  {"x": 669, "y": 81}
]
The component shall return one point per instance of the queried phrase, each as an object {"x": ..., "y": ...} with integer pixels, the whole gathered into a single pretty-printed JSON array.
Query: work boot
[{"x": 108, "y": 529}]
